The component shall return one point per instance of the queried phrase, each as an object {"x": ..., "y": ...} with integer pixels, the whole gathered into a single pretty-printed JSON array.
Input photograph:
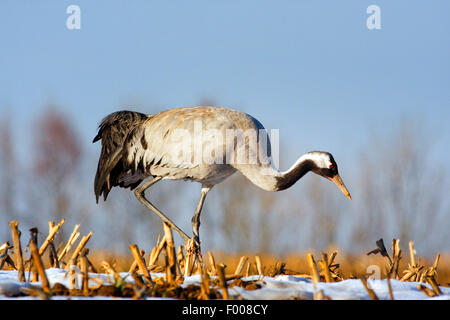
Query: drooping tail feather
[{"x": 113, "y": 131}]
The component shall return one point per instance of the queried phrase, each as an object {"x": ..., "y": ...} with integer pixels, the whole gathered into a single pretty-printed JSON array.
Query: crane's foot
[{"x": 193, "y": 248}]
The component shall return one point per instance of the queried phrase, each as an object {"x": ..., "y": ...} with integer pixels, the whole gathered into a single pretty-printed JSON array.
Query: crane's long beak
[{"x": 338, "y": 181}]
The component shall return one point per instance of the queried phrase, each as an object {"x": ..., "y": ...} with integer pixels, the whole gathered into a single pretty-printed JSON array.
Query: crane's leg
[
  {"x": 139, "y": 192},
  {"x": 196, "y": 217},
  {"x": 193, "y": 245}
]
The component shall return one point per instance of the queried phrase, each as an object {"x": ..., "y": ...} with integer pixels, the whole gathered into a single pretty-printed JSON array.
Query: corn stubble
[{"x": 178, "y": 263}]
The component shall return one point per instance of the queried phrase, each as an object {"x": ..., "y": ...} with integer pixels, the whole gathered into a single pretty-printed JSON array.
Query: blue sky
[{"x": 310, "y": 68}]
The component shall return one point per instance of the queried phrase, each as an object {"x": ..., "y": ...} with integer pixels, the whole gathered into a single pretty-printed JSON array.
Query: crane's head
[{"x": 325, "y": 166}]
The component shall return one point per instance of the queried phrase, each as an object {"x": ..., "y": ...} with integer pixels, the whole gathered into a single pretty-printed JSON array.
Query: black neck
[{"x": 292, "y": 176}]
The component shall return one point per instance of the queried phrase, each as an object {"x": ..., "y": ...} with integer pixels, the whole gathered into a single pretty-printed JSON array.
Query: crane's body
[
  {"x": 166, "y": 145},
  {"x": 150, "y": 144}
]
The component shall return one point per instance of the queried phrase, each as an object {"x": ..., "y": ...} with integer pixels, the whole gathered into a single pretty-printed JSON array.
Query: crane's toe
[
  {"x": 193, "y": 248},
  {"x": 193, "y": 245}
]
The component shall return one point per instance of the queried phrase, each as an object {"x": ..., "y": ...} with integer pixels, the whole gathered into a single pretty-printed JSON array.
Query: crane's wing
[
  {"x": 113, "y": 130},
  {"x": 132, "y": 142}
]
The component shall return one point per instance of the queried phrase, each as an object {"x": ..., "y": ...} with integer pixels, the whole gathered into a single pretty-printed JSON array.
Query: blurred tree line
[{"x": 399, "y": 190}]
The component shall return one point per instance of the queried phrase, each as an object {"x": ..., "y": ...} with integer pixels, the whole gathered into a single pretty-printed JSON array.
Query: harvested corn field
[{"x": 40, "y": 271}]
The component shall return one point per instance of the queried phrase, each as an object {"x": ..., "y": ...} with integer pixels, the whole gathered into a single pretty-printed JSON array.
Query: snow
[{"x": 272, "y": 288}]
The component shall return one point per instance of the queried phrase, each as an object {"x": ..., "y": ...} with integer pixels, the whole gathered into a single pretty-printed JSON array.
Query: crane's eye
[{"x": 331, "y": 166}]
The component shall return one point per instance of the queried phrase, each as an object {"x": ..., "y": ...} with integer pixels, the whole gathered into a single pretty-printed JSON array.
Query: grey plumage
[{"x": 136, "y": 146}]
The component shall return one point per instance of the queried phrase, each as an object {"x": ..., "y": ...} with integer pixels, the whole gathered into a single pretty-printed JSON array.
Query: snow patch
[{"x": 272, "y": 288}]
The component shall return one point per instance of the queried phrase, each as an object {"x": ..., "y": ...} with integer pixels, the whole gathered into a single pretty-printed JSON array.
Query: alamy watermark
[
  {"x": 374, "y": 20},
  {"x": 73, "y": 22}
]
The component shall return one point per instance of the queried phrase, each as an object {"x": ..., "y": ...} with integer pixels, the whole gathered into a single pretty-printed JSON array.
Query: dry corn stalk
[
  {"x": 371, "y": 293},
  {"x": 205, "y": 285},
  {"x": 4, "y": 246},
  {"x": 73, "y": 237},
  {"x": 52, "y": 232},
  {"x": 411, "y": 273},
  {"x": 53, "y": 255},
  {"x": 180, "y": 258},
  {"x": 434, "y": 285},
  {"x": 38, "y": 264},
  {"x": 278, "y": 268},
  {"x": 241, "y": 264},
  {"x": 137, "y": 279},
  {"x": 393, "y": 263},
  {"x": 313, "y": 268},
  {"x": 315, "y": 276},
  {"x": 141, "y": 263},
  {"x": 34, "y": 232},
  {"x": 94, "y": 270},
  {"x": 415, "y": 272},
  {"x": 233, "y": 276},
  {"x": 258, "y": 265},
  {"x": 139, "y": 286},
  {"x": 99, "y": 282},
  {"x": 247, "y": 271},
  {"x": 426, "y": 290},
  {"x": 110, "y": 270},
  {"x": 4, "y": 257},
  {"x": 80, "y": 247},
  {"x": 36, "y": 292},
  {"x": 396, "y": 257},
  {"x": 171, "y": 269},
  {"x": 156, "y": 251},
  {"x": 381, "y": 249},
  {"x": 391, "y": 294},
  {"x": 335, "y": 275},
  {"x": 431, "y": 271},
  {"x": 325, "y": 267},
  {"x": 212, "y": 262},
  {"x": 133, "y": 267},
  {"x": 17, "y": 249},
  {"x": 222, "y": 281},
  {"x": 412, "y": 254},
  {"x": 73, "y": 270},
  {"x": 84, "y": 271},
  {"x": 188, "y": 265}
]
